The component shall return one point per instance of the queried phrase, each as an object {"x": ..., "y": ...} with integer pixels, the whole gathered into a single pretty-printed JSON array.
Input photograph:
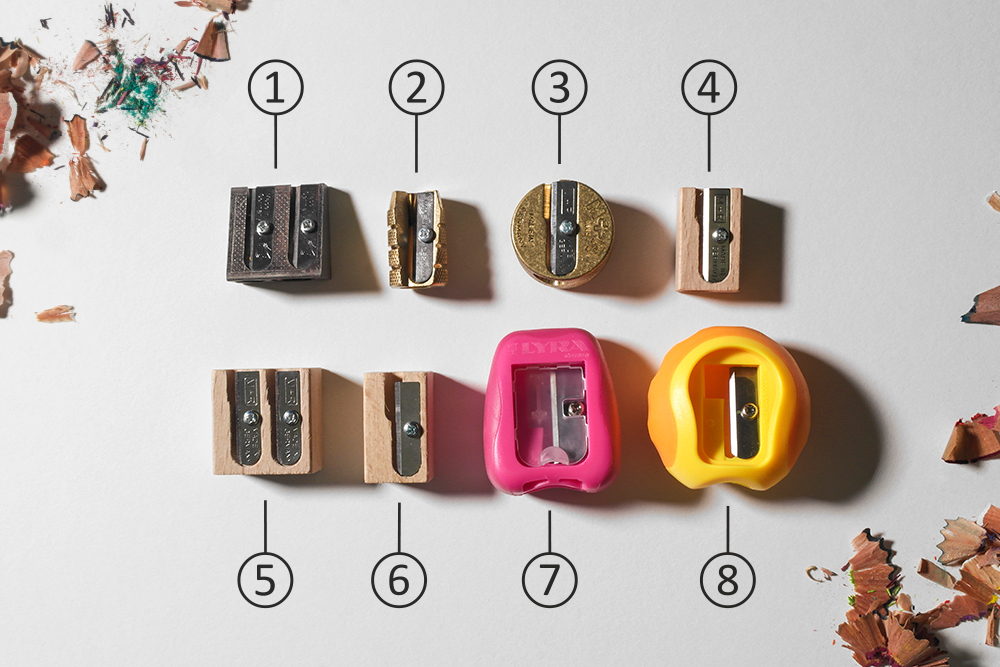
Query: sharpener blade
[
  {"x": 288, "y": 417},
  {"x": 247, "y": 401},
  {"x": 563, "y": 227},
  {"x": 422, "y": 217},
  {"x": 407, "y": 457},
  {"x": 744, "y": 413},
  {"x": 716, "y": 235},
  {"x": 261, "y": 246}
]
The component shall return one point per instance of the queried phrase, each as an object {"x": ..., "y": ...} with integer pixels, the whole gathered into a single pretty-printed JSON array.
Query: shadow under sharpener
[
  {"x": 278, "y": 232},
  {"x": 551, "y": 418}
]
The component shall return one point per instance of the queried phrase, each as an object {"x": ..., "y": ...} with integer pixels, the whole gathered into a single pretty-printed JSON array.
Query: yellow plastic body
[{"x": 688, "y": 400}]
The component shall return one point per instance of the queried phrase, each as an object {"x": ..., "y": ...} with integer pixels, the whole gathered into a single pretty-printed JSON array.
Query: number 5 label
[{"x": 265, "y": 580}]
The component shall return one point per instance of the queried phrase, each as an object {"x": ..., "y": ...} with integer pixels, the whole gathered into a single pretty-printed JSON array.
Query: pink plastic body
[{"x": 549, "y": 348}]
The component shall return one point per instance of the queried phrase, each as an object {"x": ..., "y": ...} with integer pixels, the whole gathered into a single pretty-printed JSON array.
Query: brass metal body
[
  {"x": 530, "y": 234},
  {"x": 404, "y": 246}
]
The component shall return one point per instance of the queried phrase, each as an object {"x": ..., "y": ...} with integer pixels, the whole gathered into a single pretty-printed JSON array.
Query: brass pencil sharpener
[
  {"x": 562, "y": 233},
  {"x": 417, "y": 253}
]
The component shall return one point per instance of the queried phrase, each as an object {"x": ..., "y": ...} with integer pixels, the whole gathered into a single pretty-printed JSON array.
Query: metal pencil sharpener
[
  {"x": 417, "y": 252},
  {"x": 709, "y": 239},
  {"x": 729, "y": 405},
  {"x": 278, "y": 232},
  {"x": 551, "y": 420},
  {"x": 562, "y": 233}
]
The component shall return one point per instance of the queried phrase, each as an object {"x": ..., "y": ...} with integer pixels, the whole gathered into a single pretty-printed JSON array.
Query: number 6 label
[{"x": 399, "y": 580}]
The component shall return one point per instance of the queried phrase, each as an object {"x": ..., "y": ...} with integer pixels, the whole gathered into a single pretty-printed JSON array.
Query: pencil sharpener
[
  {"x": 709, "y": 239},
  {"x": 417, "y": 252},
  {"x": 562, "y": 233},
  {"x": 267, "y": 422},
  {"x": 278, "y": 232},
  {"x": 399, "y": 432},
  {"x": 551, "y": 420},
  {"x": 729, "y": 405}
]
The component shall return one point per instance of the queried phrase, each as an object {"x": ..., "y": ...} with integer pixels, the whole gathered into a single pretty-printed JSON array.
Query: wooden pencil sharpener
[
  {"x": 417, "y": 251},
  {"x": 709, "y": 232},
  {"x": 399, "y": 429},
  {"x": 267, "y": 422},
  {"x": 729, "y": 405},
  {"x": 551, "y": 419},
  {"x": 562, "y": 233},
  {"x": 278, "y": 232}
]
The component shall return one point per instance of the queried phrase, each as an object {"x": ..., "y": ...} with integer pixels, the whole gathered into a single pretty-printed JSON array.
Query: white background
[{"x": 866, "y": 134}]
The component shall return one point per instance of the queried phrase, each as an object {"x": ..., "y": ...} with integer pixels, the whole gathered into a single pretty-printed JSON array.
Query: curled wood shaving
[
  {"x": 5, "y": 257},
  {"x": 963, "y": 539},
  {"x": 938, "y": 575},
  {"x": 227, "y": 6},
  {"x": 872, "y": 573},
  {"x": 57, "y": 314},
  {"x": 29, "y": 155},
  {"x": 87, "y": 54},
  {"x": 994, "y": 201},
  {"x": 823, "y": 573},
  {"x": 214, "y": 44},
  {"x": 83, "y": 179}
]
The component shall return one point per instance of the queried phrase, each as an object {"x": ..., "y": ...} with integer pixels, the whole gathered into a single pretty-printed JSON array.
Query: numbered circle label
[
  {"x": 275, "y": 87},
  {"x": 416, "y": 87},
  {"x": 728, "y": 580},
  {"x": 709, "y": 87},
  {"x": 265, "y": 580},
  {"x": 549, "y": 580},
  {"x": 559, "y": 87},
  {"x": 399, "y": 580}
]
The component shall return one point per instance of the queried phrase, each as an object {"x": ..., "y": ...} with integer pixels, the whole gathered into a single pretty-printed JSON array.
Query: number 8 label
[{"x": 728, "y": 580}]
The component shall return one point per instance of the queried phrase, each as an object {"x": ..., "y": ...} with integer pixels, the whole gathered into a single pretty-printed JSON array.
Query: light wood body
[
  {"x": 224, "y": 462},
  {"x": 380, "y": 423},
  {"x": 689, "y": 209}
]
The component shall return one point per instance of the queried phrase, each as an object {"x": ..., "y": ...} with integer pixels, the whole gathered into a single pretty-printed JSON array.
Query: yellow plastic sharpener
[{"x": 729, "y": 405}]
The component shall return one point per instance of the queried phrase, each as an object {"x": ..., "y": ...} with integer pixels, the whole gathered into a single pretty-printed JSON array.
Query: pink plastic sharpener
[{"x": 551, "y": 420}]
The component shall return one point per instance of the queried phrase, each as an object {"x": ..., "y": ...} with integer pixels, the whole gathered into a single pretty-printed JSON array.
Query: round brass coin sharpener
[{"x": 562, "y": 233}]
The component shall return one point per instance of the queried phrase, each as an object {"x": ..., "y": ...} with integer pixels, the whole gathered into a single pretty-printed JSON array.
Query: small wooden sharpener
[
  {"x": 399, "y": 427},
  {"x": 709, "y": 230},
  {"x": 267, "y": 422},
  {"x": 278, "y": 232},
  {"x": 417, "y": 252}
]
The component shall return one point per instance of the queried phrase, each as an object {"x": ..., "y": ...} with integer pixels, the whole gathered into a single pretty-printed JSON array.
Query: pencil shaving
[{"x": 57, "y": 314}]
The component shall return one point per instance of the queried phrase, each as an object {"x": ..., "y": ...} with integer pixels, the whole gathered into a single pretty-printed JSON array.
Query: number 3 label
[
  {"x": 399, "y": 580},
  {"x": 559, "y": 87}
]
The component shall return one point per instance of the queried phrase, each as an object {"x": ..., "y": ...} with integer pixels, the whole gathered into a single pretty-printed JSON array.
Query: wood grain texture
[
  {"x": 223, "y": 459},
  {"x": 689, "y": 207},
  {"x": 379, "y": 425}
]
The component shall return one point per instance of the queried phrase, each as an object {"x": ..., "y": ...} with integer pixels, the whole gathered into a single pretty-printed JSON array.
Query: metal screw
[
  {"x": 308, "y": 226},
  {"x": 425, "y": 234},
  {"x": 567, "y": 227},
  {"x": 412, "y": 429},
  {"x": 250, "y": 418},
  {"x": 263, "y": 227},
  {"x": 291, "y": 417},
  {"x": 749, "y": 411},
  {"x": 720, "y": 235},
  {"x": 574, "y": 409}
]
